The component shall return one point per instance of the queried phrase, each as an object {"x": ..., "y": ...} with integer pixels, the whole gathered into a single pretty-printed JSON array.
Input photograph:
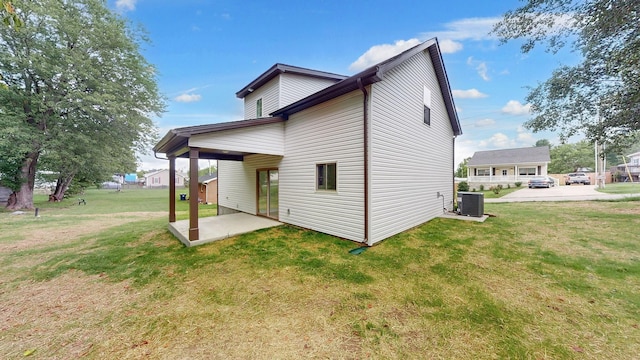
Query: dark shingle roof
[
  {"x": 535, "y": 154},
  {"x": 206, "y": 178},
  {"x": 278, "y": 69}
]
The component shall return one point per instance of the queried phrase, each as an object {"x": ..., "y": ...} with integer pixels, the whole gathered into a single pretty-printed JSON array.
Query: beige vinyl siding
[
  {"x": 294, "y": 87},
  {"x": 281, "y": 91},
  {"x": 326, "y": 133},
  {"x": 410, "y": 162},
  {"x": 264, "y": 139},
  {"x": 269, "y": 93},
  {"x": 237, "y": 181}
]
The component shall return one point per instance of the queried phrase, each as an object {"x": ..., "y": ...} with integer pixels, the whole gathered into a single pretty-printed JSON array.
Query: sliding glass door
[{"x": 267, "y": 193}]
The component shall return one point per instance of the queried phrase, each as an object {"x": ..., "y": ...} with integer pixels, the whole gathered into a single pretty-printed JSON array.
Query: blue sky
[{"x": 205, "y": 51}]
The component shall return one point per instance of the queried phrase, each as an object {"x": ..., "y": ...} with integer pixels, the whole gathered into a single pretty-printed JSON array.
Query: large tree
[
  {"x": 600, "y": 96},
  {"x": 76, "y": 88}
]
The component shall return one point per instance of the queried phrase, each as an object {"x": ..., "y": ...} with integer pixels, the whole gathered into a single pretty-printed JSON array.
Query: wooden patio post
[
  {"x": 172, "y": 189},
  {"x": 194, "y": 232}
]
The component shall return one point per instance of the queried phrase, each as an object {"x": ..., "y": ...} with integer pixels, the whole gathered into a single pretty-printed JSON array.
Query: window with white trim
[
  {"x": 527, "y": 171},
  {"x": 483, "y": 172},
  {"x": 259, "y": 108},
  {"x": 427, "y": 106},
  {"x": 326, "y": 178}
]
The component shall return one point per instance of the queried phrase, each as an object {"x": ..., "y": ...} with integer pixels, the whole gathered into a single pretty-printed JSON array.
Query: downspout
[
  {"x": 453, "y": 193},
  {"x": 365, "y": 120}
]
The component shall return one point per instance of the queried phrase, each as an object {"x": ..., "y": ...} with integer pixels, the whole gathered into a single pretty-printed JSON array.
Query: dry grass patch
[
  {"x": 55, "y": 230},
  {"x": 63, "y": 318}
]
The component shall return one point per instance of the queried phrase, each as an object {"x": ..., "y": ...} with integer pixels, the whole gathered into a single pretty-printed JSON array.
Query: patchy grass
[
  {"x": 538, "y": 281},
  {"x": 621, "y": 188}
]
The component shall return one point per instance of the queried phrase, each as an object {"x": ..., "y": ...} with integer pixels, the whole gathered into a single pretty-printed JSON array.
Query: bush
[
  {"x": 463, "y": 186},
  {"x": 496, "y": 189},
  {"x": 508, "y": 186},
  {"x": 481, "y": 187},
  {"x": 518, "y": 183}
]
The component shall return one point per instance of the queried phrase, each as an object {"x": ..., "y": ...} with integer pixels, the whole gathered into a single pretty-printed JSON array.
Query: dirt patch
[
  {"x": 60, "y": 318},
  {"x": 50, "y": 234}
]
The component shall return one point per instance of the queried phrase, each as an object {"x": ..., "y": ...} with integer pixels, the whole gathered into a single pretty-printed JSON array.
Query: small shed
[{"x": 208, "y": 188}]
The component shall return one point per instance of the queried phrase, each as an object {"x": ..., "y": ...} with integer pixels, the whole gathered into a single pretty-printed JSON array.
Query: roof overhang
[
  {"x": 176, "y": 142},
  {"x": 278, "y": 69}
]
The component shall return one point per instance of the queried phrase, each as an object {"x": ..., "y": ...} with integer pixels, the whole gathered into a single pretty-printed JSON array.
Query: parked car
[
  {"x": 541, "y": 181},
  {"x": 577, "y": 178}
]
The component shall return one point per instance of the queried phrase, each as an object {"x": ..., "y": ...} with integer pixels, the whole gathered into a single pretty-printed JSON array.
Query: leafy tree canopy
[
  {"x": 76, "y": 91},
  {"x": 599, "y": 97}
]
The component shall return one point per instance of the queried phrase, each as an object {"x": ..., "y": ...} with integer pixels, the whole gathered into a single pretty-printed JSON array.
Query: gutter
[{"x": 365, "y": 120}]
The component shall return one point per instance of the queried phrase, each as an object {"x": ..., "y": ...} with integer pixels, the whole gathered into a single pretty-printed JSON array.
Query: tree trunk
[
  {"x": 62, "y": 185},
  {"x": 23, "y": 198}
]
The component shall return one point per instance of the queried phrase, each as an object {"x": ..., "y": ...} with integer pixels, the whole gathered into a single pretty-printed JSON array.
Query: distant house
[
  {"x": 361, "y": 157},
  {"x": 507, "y": 166},
  {"x": 160, "y": 179},
  {"x": 208, "y": 189},
  {"x": 628, "y": 171}
]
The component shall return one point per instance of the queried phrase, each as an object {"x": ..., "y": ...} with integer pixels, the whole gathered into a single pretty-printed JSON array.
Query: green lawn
[
  {"x": 621, "y": 188},
  {"x": 537, "y": 281},
  {"x": 104, "y": 201}
]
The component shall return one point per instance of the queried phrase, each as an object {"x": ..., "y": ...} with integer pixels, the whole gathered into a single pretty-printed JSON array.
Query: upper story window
[
  {"x": 259, "y": 108},
  {"x": 427, "y": 106},
  {"x": 326, "y": 176}
]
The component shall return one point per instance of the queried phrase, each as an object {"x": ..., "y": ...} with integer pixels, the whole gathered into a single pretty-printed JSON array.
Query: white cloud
[
  {"x": 525, "y": 137},
  {"x": 468, "y": 94},
  {"x": 485, "y": 123},
  {"x": 378, "y": 53},
  {"x": 498, "y": 141},
  {"x": 482, "y": 71},
  {"x": 480, "y": 66},
  {"x": 465, "y": 29},
  {"x": 448, "y": 46},
  {"x": 515, "y": 107},
  {"x": 126, "y": 5},
  {"x": 187, "y": 98}
]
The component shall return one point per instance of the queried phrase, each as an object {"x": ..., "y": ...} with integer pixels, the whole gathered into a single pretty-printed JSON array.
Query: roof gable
[
  {"x": 376, "y": 73},
  {"x": 278, "y": 69},
  {"x": 534, "y": 154}
]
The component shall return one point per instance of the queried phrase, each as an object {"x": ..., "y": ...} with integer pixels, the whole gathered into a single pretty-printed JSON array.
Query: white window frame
[{"x": 322, "y": 176}]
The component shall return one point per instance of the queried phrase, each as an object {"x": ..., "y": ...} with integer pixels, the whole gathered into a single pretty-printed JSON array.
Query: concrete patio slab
[
  {"x": 450, "y": 215},
  {"x": 221, "y": 227}
]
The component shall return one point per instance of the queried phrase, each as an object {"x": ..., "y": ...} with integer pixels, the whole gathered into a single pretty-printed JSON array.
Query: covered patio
[
  {"x": 220, "y": 227},
  {"x": 224, "y": 141}
]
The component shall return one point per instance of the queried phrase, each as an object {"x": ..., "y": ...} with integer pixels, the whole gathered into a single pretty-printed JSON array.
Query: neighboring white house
[
  {"x": 361, "y": 157},
  {"x": 160, "y": 179},
  {"x": 507, "y": 166}
]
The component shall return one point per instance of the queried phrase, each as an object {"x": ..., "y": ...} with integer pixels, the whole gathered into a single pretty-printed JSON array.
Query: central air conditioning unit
[{"x": 471, "y": 204}]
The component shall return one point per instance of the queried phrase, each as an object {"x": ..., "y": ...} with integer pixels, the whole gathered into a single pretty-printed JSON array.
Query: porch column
[
  {"x": 194, "y": 232},
  {"x": 172, "y": 189},
  {"x": 490, "y": 173}
]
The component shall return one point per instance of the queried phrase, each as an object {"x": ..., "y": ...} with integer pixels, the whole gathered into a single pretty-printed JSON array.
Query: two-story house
[{"x": 361, "y": 157}]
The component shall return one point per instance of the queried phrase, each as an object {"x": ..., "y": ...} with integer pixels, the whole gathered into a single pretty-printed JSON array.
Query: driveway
[{"x": 558, "y": 193}]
